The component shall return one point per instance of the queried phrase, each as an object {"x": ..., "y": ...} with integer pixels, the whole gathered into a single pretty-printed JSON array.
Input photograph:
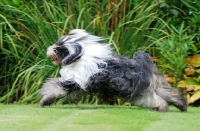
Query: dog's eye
[
  {"x": 55, "y": 51},
  {"x": 71, "y": 34}
]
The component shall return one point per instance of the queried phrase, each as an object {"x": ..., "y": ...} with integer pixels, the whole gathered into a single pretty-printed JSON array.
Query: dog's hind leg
[
  {"x": 164, "y": 90},
  {"x": 145, "y": 95},
  {"x": 172, "y": 97},
  {"x": 149, "y": 99}
]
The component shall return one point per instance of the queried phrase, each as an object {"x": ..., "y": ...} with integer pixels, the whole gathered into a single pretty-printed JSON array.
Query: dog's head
[{"x": 68, "y": 48}]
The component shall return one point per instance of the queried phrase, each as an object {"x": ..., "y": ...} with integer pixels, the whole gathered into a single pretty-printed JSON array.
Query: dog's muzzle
[{"x": 51, "y": 53}]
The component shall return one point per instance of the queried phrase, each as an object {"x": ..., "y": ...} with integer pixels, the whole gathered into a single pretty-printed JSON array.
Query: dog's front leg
[
  {"x": 69, "y": 85},
  {"x": 51, "y": 92}
]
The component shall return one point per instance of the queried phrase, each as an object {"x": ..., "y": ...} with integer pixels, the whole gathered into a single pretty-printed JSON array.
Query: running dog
[{"x": 88, "y": 64}]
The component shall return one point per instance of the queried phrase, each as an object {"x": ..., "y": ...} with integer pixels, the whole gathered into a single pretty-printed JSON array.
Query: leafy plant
[
  {"x": 191, "y": 81},
  {"x": 174, "y": 49},
  {"x": 27, "y": 28},
  {"x": 176, "y": 13},
  {"x": 187, "y": 11}
]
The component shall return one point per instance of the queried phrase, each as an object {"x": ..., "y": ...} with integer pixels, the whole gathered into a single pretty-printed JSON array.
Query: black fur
[
  {"x": 69, "y": 85},
  {"x": 122, "y": 74},
  {"x": 71, "y": 58},
  {"x": 62, "y": 52},
  {"x": 135, "y": 79}
]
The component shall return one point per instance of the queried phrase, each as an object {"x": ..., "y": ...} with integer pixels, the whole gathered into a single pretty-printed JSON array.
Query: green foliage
[
  {"x": 138, "y": 29},
  {"x": 183, "y": 42},
  {"x": 174, "y": 49},
  {"x": 187, "y": 11},
  {"x": 27, "y": 28}
]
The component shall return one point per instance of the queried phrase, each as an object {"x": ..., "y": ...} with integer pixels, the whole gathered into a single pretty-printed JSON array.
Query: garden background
[{"x": 166, "y": 29}]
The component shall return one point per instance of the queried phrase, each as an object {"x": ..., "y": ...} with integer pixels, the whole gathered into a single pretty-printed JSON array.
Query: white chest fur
[{"x": 82, "y": 69}]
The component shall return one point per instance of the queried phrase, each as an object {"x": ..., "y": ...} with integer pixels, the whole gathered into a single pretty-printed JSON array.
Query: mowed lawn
[{"x": 15, "y": 117}]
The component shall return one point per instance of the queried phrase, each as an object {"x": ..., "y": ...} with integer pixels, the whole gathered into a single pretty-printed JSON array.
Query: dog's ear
[
  {"x": 76, "y": 50},
  {"x": 62, "y": 52}
]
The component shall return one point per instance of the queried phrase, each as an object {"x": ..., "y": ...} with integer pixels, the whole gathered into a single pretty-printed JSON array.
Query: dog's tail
[{"x": 165, "y": 91}]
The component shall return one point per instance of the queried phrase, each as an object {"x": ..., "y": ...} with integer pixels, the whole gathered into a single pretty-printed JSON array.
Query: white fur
[
  {"x": 51, "y": 87},
  {"x": 94, "y": 53},
  {"x": 51, "y": 91}
]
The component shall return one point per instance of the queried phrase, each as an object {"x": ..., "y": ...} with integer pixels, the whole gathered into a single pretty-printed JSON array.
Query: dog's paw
[
  {"x": 51, "y": 92},
  {"x": 47, "y": 100}
]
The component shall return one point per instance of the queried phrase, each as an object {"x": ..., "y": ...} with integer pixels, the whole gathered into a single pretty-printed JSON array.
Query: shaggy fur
[
  {"x": 51, "y": 91},
  {"x": 90, "y": 65}
]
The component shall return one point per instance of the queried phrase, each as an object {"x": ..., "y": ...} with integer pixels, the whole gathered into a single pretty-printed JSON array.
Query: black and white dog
[{"x": 90, "y": 65}]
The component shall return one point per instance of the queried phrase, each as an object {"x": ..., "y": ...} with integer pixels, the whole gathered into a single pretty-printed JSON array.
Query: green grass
[{"x": 95, "y": 118}]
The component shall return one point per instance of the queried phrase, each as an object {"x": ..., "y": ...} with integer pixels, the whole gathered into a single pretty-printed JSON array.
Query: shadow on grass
[{"x": 107, "y": 107}]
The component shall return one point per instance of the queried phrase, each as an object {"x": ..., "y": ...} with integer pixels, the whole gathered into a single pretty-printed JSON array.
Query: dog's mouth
[
  {"x": 51, "y": 53},
  {"x": 53, "y": 57},
  {"x": 55, "y": 60}
]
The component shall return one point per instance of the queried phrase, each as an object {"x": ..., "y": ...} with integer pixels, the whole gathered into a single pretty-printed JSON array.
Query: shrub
[{"x": 28, "y": 28}]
